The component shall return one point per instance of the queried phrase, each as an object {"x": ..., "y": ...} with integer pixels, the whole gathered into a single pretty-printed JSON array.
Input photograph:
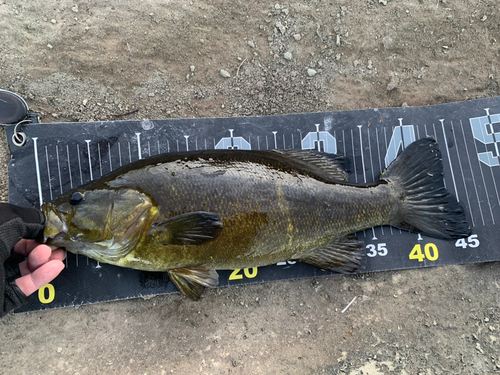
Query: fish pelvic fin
[
  {"x": 191, "y": 280},
  {"x": 193, "y": 228},
  {"x": 426, "y": 206},
  {"x": 329, "y": 167},
  {"x": 343, "y": 255}
]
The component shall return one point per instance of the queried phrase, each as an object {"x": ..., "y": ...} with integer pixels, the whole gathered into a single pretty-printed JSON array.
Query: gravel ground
[{"x": 215, "y": 58}]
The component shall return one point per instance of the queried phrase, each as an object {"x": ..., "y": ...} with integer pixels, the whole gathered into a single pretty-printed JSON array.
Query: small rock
[
  {"x": 288, "y": 55},
  {"x": 478, "y": 348},
  {"x": 251, "y": 44},
  {"x": 485, "y": 17},
  {"x": 280, "y": 27},
  {"x": 225, "y": 73},
  {"x": 406, "y": 105},
  {"x": 311, "y": 72},
  {"x": 192, "y": 68},
  {"x": 75, "y": 8},
  {"x": 49, "y": 46},
  {"x": 85, "y": 101},
  {"x": 393, "y": 83},
  {"x": 383, "y": 2},
  {"x": 59, "y": 350},
  {"x": 151, "y": 94},
  {"x": 387, "y": 42},
  {"x": 297, "y": 37},
  {"x": 277, "y": 6},
  {"x": 53, "y": 21}
]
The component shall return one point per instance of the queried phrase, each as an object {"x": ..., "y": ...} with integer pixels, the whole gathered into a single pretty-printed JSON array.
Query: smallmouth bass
[{"x": 192, "y": 213}]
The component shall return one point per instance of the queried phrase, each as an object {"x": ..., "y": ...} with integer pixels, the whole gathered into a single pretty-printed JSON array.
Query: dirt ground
[{"x": 91, "y": 60}]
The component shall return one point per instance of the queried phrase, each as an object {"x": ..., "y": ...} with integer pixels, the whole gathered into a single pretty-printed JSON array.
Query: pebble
[
  {"x": 297, "y": 37},
  {"x": 288, "y": 55},
  {"x": 192, "y": 68},
  {"x": 311, "y": 72},
  {"x": 53, "y": 20},
  {"x": 280, "y": 27},
  {"x": 50, "y": 46},
  {"x": 75, "y": 9},
  {"x": 225, "y": 73},
  {"x": 59, "y": 350},
  {"x": 383, "y": 2},
  {"x": 392, "y": 84},
  {"x": 85, "y": 101},
  {"x": 387, "y": 42},
  {"x": 251, "y": 44}
]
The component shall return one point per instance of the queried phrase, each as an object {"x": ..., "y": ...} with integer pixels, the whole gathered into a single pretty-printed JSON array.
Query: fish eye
[{"x": 76, "y": 198}]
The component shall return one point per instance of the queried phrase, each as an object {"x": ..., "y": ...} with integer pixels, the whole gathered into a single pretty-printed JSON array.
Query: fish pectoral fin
[
  {"x": 342, "y": 255},
  {"x": 191, "y": 280},
  {"x": 193, "y": 228}
]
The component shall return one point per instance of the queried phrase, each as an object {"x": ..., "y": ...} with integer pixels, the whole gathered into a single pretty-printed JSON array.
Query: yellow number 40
[{"x": 430, "y": 252}]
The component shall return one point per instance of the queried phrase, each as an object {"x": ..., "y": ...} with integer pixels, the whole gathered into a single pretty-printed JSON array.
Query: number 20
[{"x": 249, "y": 273}]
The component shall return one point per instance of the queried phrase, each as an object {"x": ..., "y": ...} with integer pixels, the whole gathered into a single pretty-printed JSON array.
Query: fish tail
[{"x": 426, "y": 206}]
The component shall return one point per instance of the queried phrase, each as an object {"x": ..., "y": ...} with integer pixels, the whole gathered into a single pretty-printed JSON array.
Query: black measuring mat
[{"x": 60, "y": 156}]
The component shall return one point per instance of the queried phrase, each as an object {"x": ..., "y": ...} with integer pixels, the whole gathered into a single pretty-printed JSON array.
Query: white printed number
[
  {"x": 380, "y": 249},
  {"x": 472, "y": 241}
]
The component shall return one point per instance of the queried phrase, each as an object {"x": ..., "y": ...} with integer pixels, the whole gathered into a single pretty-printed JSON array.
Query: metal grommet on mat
[{"x": 19, "y": 138}]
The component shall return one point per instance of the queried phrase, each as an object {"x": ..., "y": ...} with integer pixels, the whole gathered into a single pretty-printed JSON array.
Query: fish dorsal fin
[
  {"x": 330, "y": 167},
  {"x": 192, "y": 228},
  {"x": 191, "y": 280},
  {"x": 342, "y": 255}
]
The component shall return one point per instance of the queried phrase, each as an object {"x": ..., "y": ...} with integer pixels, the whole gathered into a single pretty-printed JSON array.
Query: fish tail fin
[{"x": 427, "y": 207}]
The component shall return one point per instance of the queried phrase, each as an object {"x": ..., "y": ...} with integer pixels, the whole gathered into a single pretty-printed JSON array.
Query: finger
[
  {"x": 39, "y": 256},
  {"x": 58, "y": 254},
  {"x": 40, "y": 277},
  {"x": 24, "y": 247}
]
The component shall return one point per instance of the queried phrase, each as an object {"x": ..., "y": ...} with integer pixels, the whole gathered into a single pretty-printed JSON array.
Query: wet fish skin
[{"x": 197, "y": 212}]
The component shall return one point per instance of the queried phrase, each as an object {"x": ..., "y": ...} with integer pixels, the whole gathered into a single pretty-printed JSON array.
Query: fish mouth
[{"x": 55, "y": 227}]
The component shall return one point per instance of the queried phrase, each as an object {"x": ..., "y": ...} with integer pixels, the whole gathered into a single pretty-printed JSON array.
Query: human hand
[
  {"x": 41, "y": 266},
  {"x": 20, "y": 277}
]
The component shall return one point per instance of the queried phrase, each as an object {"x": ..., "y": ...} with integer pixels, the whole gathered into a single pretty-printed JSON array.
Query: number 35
[{"x": 380, "y": 249}]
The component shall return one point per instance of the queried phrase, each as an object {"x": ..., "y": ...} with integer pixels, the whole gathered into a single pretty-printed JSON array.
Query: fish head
[{"x": 103, "y": 224}]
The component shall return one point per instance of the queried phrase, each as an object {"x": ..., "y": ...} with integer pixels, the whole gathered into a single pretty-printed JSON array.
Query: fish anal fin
[
  {"x": 191, "y": 280},
  {"x": 192, "y": 228},
  {"x": 342, "y": 255},
  {"x": 329, "y": 167}
]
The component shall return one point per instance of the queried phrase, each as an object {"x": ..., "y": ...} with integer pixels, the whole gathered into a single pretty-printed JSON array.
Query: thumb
[{"x": 16, "y": 223}]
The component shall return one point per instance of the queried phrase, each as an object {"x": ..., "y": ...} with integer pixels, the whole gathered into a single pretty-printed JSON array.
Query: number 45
[{"x": 472, "y": 241}]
